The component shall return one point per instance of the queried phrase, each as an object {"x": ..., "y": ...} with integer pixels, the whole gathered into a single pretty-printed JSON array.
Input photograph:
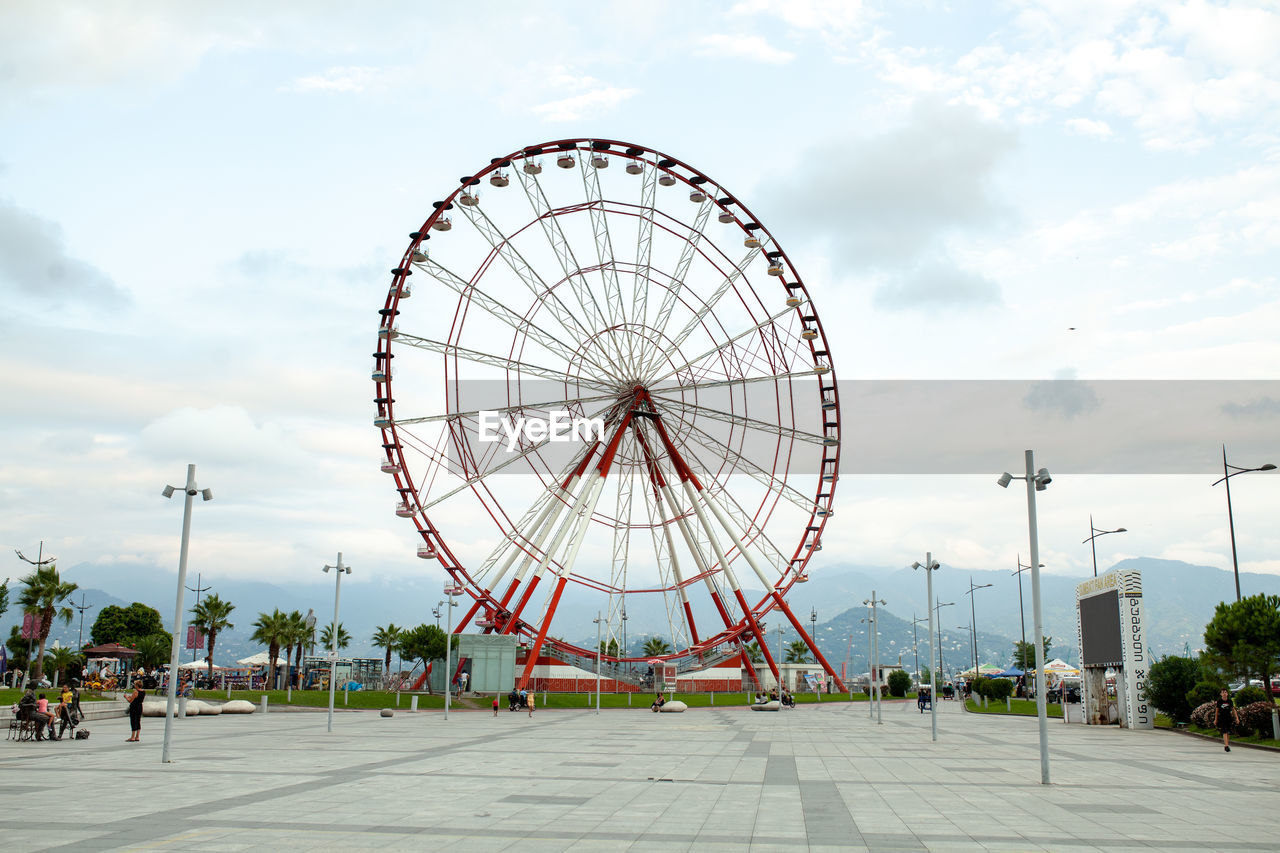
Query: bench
[{"x": 23, "y": 726}]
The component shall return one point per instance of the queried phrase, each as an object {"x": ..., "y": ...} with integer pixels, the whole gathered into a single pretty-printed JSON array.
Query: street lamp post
[
  {"x": 625, "y": 652},
  {"x": 191, "y": 490},
  {"x": 197, "y": 589},
  {"x": 937, "y": 612},
  {"x": 39, "y": 562},
  {"x": 1037, "y": 481},
  {"x": 449, "y": 592},
  {"x": 968, "y": 628},
  {"x": 82, "y": 607},
  {"x": 1095, "y": 532},
  {"x": 333, "y": 644},
  {"x": 871, "y": 705},
  {"x": 598, "y": 622},
  {"x": 435, "y": 611},
  {"x": 875, "y": 653},
  {"x": 973, "y": 620},
  {"x": 1229, "y": 471},
  {"x": 915, "y": 643},
  {"x": 930, "y": 566}
]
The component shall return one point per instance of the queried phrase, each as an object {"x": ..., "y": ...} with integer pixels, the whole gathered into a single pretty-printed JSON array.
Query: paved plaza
[{"x": 819, "y": 777}]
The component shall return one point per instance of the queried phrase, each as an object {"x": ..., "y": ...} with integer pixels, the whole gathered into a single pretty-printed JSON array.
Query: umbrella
[
  {"x": 1012, "y": 672},
  {"x": 198, "y": 664},
  {"x": 261, "y": 659}
]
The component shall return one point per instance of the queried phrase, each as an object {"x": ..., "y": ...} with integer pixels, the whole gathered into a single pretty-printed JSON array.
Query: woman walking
[{"x": 135, "y": 712}]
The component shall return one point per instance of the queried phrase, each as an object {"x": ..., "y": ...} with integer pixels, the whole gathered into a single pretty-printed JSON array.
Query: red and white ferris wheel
[{"x": 606, "y": 283}]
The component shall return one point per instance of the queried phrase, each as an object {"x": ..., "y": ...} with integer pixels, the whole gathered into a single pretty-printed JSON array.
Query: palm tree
[
  {"x": 754, "y": 653},
  {"x": 655, "y": 646},
  {"x": 326, "y": 636},
  {"x": 296, "y": 634},
  {"x": 797, "y": 652},
  {"x": 212, "y": 615},
  {"x": 386, "y": 638},
  {"x": 43, "y": 596},
  {"x": 153, "y": 650},
  {"x": 60, "y": 658},
  {"x": 268, "y": 631}
]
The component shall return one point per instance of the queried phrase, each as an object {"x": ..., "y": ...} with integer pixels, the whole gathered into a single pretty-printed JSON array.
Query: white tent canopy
[
  {"x": 261, "y": 659},
  {"x": 198, "y": 664},
  {"x": 1059, "y": 665}
]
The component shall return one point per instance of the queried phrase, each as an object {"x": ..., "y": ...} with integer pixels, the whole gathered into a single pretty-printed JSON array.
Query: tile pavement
[{"x": 816, "y": 778}]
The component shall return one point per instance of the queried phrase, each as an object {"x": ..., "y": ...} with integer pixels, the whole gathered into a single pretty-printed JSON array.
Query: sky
[{"x": 199, "y": 206}]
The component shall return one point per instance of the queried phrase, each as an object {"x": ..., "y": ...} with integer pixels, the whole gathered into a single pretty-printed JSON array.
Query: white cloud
[
  {"x": 831, "y": 16},
  {"x": 753, "y": 48},
  {"x": 578, "y": 107},
  {"x": 342, "y": 78},
  {"x": 36, "y": 264},
  {"x": 1089, "y": 127}
]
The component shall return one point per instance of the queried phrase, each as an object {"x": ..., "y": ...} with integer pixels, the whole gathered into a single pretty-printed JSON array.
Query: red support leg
[
  {"x": 536, "y": 648},
  {"x": 808, "y": 640}
]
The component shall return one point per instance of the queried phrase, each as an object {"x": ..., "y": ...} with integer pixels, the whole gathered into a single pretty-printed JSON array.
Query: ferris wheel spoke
[
  {"x": 547, "y": 218},
  {"x": 747, "y": 465},
  {"x": 644, "y": 246},
  {"x": 496, "y": 309},
  {"x": 768, "y": 321},
  {"x": 527, "y": 275},
  {"x": 621, "y": 538},
  {"x": 603, "y": 243},
  {"x": 709, "y": 305},
  {"x": 739, "y": 420},
  {"x": 471, "y": 482},
  {"x": 744, "y": 380},
  {"x": 453, "y": 350},
  {"x": 473, "y": 414},
  {"x": 688, "y": 251},
  {"x": 669, "y": 573}
]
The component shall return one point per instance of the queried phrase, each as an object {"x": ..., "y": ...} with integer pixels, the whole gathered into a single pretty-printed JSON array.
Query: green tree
[
  {"x": 1169, "y": 681},
  {"x": 1244, "y": 636},
  {"x": 899, "y": 683},
  {"x": 656, "y": 646},
  {"x": 326, "y": 637},
  {"x": 924, "y": 675},
  {"x": 1024, "y": 654},
  {"x": 125, "y": 624},
  {"x": 386, "y": 637},
  {"x": 296, "y": 634},
  {"x": 797, "y": 652},
  {"x": 153, "y": 650},
  {"x": 4, "y": 597},
  {"x": 269, "y": 630},
  {"x": 211, "y": 616},
  {"x": 17, "y": 646},
  {"x": 60, "y": 659},
  {"x": 44, "y": 596},
  {"x": 754, "y": 653},
  {"x": 425, "y": 643},
  {"x": 609, "y": 648}
]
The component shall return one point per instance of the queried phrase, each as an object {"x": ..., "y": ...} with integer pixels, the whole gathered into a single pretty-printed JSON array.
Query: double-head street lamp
[
  {"x": 333, "y": 650},
  {"x": 973, "y": 620},
  {"x": 1094, "y": 534},
  {"x": 930, "y": 566},
  {"x": 1229, "y": 471},
  {"x": 191, "y": 490},
  {"x": 937, "y": 616},
  {"x": 968, "y": 628},
  {"x": 875, "y": 652},
  {"x": 1022, "y": 617},
  {"x": 1037, "y": 481}
]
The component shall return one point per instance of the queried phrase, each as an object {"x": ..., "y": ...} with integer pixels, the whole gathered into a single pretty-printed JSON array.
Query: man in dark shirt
[{"x": 1226, "y": 718}]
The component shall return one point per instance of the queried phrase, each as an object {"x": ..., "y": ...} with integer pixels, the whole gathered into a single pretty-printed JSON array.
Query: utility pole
[{"x": 82, "y": 607}]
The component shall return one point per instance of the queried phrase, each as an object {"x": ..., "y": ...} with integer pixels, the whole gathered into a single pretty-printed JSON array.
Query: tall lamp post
[
  {"x": 871, "y": 705},
  {"x": 449, "y": 592},
  {"x": 598, "y": 620},
  {"x": 39, "y": 562},
  {"x": 813, "y": 633},
  {"x": 1037, "y": 481},
  {"x": 436, "y": 611},
  {"x": 333, "y": 645},
  {"x": 937, "y": 614},
  {"x": 915, "y": 643},
  {"x": 1095, "y": 532},
  {"x": 875, "y": 652},
  {"x": 82, "y": 607},
  {"x": 1229, "y": 471},
  {"x": 197, "y": 589},
  {"x": 973, "y": 620},
  {"x": 968, "y": 628},
  {"x": 191, "y": 490},
  {"x": 930, "y": 566}
]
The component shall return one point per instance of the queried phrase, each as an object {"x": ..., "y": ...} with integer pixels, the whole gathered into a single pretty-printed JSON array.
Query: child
[{"x": 495, "y": 704}]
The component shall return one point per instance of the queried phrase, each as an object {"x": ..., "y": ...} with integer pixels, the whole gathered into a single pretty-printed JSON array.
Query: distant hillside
[{"x": 1180, "y": 598}]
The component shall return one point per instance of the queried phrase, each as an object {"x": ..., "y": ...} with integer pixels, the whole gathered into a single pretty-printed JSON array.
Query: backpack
[{"x": 82, "y": 734}]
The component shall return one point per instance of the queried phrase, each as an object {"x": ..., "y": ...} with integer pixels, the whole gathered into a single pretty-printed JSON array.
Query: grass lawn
[
  {"x": 1021, "y": 708},
  {"x": 370, "y": 699},
  {"x": 9, "y": 696}
]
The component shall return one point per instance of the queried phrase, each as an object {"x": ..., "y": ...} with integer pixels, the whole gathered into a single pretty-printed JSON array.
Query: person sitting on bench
[{"x": 658, "y": 702}]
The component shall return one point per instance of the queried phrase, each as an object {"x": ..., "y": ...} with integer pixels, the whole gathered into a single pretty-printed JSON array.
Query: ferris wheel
[{"x": 606, "y": 389}]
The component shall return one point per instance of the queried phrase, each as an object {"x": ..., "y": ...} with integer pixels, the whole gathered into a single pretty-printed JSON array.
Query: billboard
[
  {"x": 1109, "y": 618},
  {"x": 1100, "y": 630}
]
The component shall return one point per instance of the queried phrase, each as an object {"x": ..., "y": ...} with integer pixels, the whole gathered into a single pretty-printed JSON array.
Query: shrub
[
  {"x": 1204, "y": 691},
  {"x": 998, "y": 689},
  {"x": 1171, "y": 679},
  {"x": 1249, "y": 695},
  {"x": 1255, "y": 718},
  {"x": 899, "y": 683},
  {"x": 1204, "y": 716}
]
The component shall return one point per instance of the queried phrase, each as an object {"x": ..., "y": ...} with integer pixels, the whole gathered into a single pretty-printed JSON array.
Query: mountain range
[{"x": 1179, "y": 600}]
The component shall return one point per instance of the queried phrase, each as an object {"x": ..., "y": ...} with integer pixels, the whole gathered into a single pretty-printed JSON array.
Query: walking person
[
  {"x": 531, "y": 704},
  {"x": 1228, "y": 718},
  {"x": 495, "y": 704},
  {"x": 135, "y": 712}
]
